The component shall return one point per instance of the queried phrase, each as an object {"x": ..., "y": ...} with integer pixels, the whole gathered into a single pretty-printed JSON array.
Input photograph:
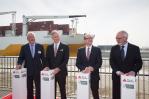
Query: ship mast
[{"x": 13, "y": 13}]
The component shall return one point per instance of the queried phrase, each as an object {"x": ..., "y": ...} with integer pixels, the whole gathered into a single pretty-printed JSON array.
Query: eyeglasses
[
  {"x": 88, "y": 38},
  {"x": 119, "y": 38}
]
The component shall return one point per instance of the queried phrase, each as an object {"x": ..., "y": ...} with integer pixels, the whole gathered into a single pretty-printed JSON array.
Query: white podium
[
  {"x": 128, "y": 87},
  {"x": 83, "y": 85},
  {"x": 19, "y": 84},
  {"x": 47, "y": 85}
]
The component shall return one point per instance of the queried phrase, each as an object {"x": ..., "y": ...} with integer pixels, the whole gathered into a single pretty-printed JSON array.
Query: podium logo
[
  {"x": 82, "y": 77},
  {"x": 129, "y": 86},
  {"x": 52, "y": 77},
  {"x": 16, "y": 76},
  {"x": 23, "y": 75},
  {"x": 45, "y": 79},
  {"x": 83, "y": 82},
  {"x": 23, "y": 71},
  {"x": 128, "y": 80}
]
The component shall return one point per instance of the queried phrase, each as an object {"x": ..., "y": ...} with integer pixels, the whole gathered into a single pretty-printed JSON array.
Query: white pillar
[
  {"x": 128, "y": 87},
  {"x": 25, "y": 26},
  {"x": 83, "y": 85},
  {"x": 47, "y": 85},
  {"x": 14, "y": 23},
  {"x": 19, "y": 84}
]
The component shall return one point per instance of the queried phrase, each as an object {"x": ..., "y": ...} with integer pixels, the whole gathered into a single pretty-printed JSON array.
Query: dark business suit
[
  {"x": 34, "y": 66},
  {"x": 132, "y": 62},
  {"x": 59, "y": 61},
  {"x": 95, "y": 60}
]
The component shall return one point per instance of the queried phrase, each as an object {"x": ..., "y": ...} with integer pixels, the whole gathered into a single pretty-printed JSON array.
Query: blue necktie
[
  {"x": 122, "y": 53},
  {"x": 32, "y": 50},
  {"x": 55, "y": 50}
]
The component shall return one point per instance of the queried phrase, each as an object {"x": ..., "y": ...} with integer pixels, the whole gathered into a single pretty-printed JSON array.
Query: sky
[{"x": 104, "y": 17}]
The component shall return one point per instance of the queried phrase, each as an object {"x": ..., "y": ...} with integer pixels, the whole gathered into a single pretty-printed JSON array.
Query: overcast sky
[{"x": 104, "y": 17}]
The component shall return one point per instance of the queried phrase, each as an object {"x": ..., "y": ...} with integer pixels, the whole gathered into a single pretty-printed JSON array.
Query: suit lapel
[
  {"x": 36, "y": 47},
  {"x": 28, "y": 50},
  {"x": 92, "y": 52},
  {"x": 118, "y": 53},
  {"x": 59, "y": 47},
  {"x": 52, "y": 47},
  {"x": 128, "y": 52},
  {"x": 84, "y": 54}
]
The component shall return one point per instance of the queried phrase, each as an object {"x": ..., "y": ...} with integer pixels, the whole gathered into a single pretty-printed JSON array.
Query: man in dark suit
[
  {"x": 57, "y": 56},
  {"x": 32, "y": 56},
  {"x": 125, "y": 59},
  {"x": 89, "y": 60}
]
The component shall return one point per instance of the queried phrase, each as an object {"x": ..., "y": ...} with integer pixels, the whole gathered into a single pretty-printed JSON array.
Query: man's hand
[
  {"x": 131, "y": 73},
  {"x": 88, "y": 69},
  {"x": 18, "y": 67},
  {"x": 46, "y": 69},
  {"x": 119, "y": 73},
  {"x": 91, "y": 68},
  {"x": 55, "y": 71}
]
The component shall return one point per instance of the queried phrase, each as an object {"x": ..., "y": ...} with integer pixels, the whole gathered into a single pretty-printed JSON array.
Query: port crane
[{"x": 27, "y": 18}]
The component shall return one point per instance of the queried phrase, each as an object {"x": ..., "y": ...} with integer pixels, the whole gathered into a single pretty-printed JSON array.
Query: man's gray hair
[
  {"x": 29, "y": 33},
  {"x": 88, "y": 35},
  {"x": 55, "y": 31},
  {"x": 124, "y": 33}
]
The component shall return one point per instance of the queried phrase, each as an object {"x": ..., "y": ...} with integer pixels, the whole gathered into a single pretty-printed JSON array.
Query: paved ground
[{"x": 4, "y": 92}]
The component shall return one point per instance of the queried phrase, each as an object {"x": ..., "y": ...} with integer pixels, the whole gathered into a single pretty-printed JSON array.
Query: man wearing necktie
[
  {"x": 57, "y": 56},
  {"x": 89, "y": 60},
  {"x": 125, "y": 58},
  {"x": 32, "y": 56}
]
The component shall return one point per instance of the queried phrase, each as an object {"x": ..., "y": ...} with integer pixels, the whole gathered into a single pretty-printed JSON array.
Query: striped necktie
[
  {"x": 88, "y": 53},
  {"x": 55, "y": 50}
]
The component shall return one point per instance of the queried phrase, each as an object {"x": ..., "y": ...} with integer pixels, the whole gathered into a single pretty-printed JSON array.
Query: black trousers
[
  {"x": 95, "y": 87},
  {"x": 61, "y": 80},
  {"x": 30, "y": 80},
  {"x": 116, "y": 88}
]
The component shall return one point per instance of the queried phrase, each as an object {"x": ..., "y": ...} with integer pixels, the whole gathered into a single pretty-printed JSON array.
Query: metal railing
[{"x": 105, "y": 84}]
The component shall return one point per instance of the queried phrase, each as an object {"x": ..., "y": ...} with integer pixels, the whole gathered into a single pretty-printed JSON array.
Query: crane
[
  {"x": 26, "y": 19},
  {"x": 13, "y": 13}
]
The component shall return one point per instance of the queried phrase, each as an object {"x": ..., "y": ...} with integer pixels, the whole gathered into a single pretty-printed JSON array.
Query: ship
[{"x": 14, "y": 36}]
